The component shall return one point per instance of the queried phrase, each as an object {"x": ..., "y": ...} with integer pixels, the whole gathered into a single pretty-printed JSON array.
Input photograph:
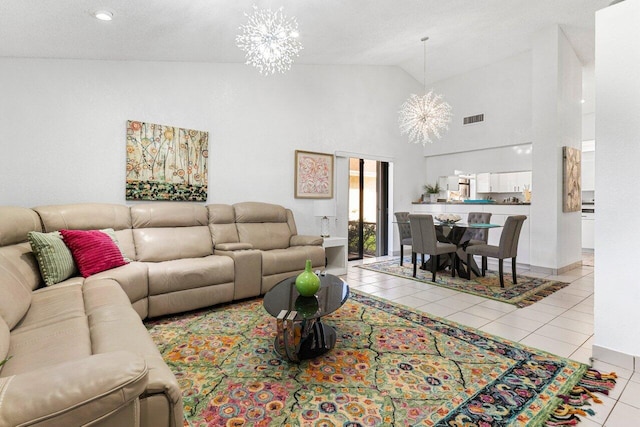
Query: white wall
[
  {"x": 557, "y": 118},
  {"x": 500, "y": 159},
  {"x": 588, "y": 126},
  {"x": 63, "y": 126},
  {"x": 617, "y": 294},
  {"x": 502, "y": 91}
]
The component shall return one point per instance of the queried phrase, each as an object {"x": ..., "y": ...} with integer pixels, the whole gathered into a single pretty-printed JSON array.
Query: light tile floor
[{"x": 561, "y": 323}]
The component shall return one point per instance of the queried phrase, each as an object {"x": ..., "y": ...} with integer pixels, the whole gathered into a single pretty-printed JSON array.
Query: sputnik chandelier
[
  {"x": 269, "y": 40},
  {"x": 424, "y": 117}
]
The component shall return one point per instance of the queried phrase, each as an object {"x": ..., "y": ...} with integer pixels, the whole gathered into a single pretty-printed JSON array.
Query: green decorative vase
[{"x": 307, "y": 283}]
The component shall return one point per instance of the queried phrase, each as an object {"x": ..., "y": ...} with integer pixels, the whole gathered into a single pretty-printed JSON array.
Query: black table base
[
  {"x": 454, "y": 235},
  {"x": 299, "y": 339}
]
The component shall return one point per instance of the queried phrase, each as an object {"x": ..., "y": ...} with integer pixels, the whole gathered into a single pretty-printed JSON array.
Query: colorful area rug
[
  {"x": 526, "y": 292},
  {"x": 391, "y": 367}
]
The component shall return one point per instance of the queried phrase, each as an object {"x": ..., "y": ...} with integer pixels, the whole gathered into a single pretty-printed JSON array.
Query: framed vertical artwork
[
  {"x": 166, "y": 162},
  {"x": 571, "y": 177},
  {"x": 313, "y": 175}
]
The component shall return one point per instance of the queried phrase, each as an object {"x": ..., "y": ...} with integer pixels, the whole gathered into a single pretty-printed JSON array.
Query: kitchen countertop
[{"x": 472, "y": 204}]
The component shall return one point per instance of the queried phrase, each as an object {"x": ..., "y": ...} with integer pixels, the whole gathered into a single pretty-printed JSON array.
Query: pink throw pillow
[{"x": 93, "y": 251}]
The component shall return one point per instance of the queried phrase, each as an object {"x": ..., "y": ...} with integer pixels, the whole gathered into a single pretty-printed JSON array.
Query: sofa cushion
[
  {"x": 174, "y": 214},
  {"x": 102, "y": 292},
  {"x": 222, "y": 224},
  {"x": 165, "y": 244},
  {"x": 263, "y": 225},
  {"x": 93, "y": 250},
  {"x": 265, "y": 236},
  {"x": 54, "y": 257},
  {"x": 131, "y": 278},
  {"x": 16, "y": 223},
  {"x": 181, "y": 274},
  {"x": 291, "y": 259},
  {"x": 48, "y": 345},
  {"x": 114, "y": 328},
  {"x": 54, "y": 304},
  {"x": 19, "y": 275},
  {"x": 91, "y": 216},
  {"x": 84, "y": 216},
  {"x": 247, "y": 212}
]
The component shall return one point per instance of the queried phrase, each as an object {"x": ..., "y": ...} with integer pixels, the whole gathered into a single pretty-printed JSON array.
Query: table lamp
[{"x": 324, "y": 209}]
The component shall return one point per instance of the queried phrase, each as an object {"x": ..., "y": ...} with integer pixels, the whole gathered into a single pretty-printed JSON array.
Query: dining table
[{"x": 455, "y": 232}]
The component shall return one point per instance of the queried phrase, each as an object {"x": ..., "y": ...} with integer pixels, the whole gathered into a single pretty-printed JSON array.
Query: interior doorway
[{"x": 368, "y": 208}]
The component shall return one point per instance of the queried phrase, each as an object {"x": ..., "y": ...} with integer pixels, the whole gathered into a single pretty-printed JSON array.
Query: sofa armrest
[
  {"x": 247, "y": 266},
  {"x": 233, "y": 246},
  {"x": 298, "y": 240},
  {"x": 73, "y": 393}
]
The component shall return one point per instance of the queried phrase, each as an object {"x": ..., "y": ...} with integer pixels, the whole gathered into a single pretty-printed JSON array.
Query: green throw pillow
[{"x": 54, "y": 258}]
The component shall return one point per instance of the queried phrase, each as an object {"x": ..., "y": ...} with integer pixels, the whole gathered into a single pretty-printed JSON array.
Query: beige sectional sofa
[{"x": 78, "y": 352}]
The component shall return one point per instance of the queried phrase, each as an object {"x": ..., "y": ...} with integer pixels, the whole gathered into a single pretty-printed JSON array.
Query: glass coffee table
[{"x": 301, "y": 334}]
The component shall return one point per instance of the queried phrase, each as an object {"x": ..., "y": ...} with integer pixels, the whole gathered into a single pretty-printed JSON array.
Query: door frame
[{"x": 342, "y": 192}]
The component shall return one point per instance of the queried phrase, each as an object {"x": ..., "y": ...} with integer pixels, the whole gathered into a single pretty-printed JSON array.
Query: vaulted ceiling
[{"x": 464, "y": 34}]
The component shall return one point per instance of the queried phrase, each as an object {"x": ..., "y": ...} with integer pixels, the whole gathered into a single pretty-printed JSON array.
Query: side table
[
  {"x": 335, "y": 249},
  {"x": 300, "y": 331}
]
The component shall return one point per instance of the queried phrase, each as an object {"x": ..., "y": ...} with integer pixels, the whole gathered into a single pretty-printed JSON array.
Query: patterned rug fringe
[{"x": 567, "y": 413}]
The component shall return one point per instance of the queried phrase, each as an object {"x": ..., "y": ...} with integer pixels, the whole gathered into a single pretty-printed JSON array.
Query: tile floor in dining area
[{"x": 561, "y": 323}]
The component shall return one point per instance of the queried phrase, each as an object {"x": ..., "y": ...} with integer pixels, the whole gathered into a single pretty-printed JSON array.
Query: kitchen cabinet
[
  {"x": 483, "y": 183},
  {"x": 588, "y": 240},
  {"x": 494, "y": 181},
  {"x": 508, "y": 182},
  {"x": 516, "y": 182}
]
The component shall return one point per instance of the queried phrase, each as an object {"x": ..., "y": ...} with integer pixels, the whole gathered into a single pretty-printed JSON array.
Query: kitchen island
[{"x": 499, "y": 211}]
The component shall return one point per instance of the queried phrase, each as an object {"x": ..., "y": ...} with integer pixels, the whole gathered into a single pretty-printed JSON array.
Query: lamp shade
[{"x": 325, "y": 207}]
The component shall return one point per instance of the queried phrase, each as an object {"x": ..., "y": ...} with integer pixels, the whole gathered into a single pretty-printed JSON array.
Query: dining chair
[
  {"x": 477, "y": 236},
  {"x": 507, "y": 248},
  {"x": 404, "y": 229},
  {"x": 424, "y": 241}
]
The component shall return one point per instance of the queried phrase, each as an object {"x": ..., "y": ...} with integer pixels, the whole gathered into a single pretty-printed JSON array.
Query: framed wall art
[
  {"x": 166, "y": 162},
  {"x": 313, "y": 175},
  {"x": 571, "y": 177}
]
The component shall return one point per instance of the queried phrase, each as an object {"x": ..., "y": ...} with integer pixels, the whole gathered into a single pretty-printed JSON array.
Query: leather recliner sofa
[{"x": 78, "y": 351}]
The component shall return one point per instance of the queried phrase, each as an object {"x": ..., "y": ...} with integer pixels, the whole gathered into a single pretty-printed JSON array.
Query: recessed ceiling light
[
  {"x": 103, "y": 15},
  {"x": 582, "y": 101}
]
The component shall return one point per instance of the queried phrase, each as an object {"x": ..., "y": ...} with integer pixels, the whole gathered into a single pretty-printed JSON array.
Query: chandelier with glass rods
[
  {"x": 269, "y": 40},
  {"x": 424, "y": 117}
]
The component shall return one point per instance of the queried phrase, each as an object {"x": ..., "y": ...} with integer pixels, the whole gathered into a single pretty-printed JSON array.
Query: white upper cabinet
[
  {"x": 483, "y": 183},
  {"x": 509, "y": 182}
]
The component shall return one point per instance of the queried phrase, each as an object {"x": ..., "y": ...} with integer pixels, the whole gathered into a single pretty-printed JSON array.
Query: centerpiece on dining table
[{"x": 448, "y": 219}]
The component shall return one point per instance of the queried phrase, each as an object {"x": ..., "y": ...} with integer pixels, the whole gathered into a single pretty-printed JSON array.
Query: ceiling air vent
[{"x": 473, "y": 119}]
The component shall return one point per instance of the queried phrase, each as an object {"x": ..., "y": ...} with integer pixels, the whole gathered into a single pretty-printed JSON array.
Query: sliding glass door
[{"x": 368, "y": 208}]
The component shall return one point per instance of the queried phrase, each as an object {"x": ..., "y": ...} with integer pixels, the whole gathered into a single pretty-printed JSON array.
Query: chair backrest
[
  {"x": 402, "y": 218},
  {"x": 481, "y": 234},
  {"x": 423, "y": 234},
  {"x": 510, "y": 236}
]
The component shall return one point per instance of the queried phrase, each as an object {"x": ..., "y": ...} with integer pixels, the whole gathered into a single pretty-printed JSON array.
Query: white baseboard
[{"x": 617, "y": 358}]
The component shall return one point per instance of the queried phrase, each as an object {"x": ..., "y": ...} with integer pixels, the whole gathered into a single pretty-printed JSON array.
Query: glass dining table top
[{"x": 457, "y": 224}]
